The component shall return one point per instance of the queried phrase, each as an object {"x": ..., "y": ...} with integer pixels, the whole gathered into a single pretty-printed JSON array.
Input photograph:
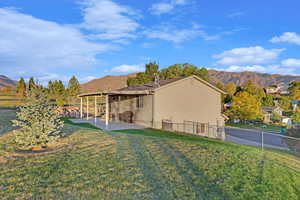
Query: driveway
[
  {"x": 254, "y": 137},
  {"x": 111, "y": 125}
]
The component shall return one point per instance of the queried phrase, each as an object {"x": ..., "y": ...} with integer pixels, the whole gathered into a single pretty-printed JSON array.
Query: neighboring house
[
  {"x": 273, "y": 89},
  {"x": 286, "y": 121},
  {"x": 294, "y": 105},
  {"x": 268, "y": 111},
  {"x": 279, "y": 89},
  {"x": 284, "y": 92},
  {"x": 227, "y": 106},
  {"x": 165, "y": 103}
]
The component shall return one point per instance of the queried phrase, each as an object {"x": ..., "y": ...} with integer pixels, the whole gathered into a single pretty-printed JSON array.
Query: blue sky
[{"x": 55, "y": 39}]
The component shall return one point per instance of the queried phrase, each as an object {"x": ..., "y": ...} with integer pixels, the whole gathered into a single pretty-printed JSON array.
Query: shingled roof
[{"x": 149, "y": 86}]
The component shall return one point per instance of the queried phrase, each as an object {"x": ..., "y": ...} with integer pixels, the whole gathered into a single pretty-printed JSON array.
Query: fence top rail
[{"x": 284, "y": 136}]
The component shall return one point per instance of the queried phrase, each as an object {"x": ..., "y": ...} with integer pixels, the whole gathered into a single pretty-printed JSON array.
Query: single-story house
[{"x": 191, "y": 104}]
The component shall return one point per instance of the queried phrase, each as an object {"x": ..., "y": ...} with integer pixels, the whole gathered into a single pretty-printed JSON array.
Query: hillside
[
  {"x": 106, "y": 83},
  {"x": 239, "y": 78},
  {"x": 5, "y": 81},
  {"x": 260, "y": 79}
]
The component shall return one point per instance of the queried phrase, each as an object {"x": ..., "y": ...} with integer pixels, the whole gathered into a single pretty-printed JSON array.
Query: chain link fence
[
  {"x": 265, "y": 139},
  {"x": 188, "y": 127}
]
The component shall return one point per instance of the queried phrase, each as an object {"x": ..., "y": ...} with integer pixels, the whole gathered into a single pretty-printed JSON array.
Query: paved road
[{"x": 253, "y": 137}]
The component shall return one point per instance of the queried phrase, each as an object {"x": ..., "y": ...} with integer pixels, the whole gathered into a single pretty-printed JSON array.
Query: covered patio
[
  {"x": 99, "y": 103},
  {"x": 111, "y": 126}
]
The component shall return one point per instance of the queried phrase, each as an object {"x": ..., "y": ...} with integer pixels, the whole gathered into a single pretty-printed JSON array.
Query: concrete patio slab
[{"x": 111, "y": 125}]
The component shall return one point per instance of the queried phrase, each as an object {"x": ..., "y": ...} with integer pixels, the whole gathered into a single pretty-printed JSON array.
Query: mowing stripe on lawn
[
  {"x": 150, "y": 170},
  {"x": 130, "y": 171},
  {"x": 203, "y": 187}
]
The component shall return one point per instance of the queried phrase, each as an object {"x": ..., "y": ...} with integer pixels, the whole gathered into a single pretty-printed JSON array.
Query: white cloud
[
  {"x": 165, "y": 7},
  {"x": 109, "y": 20},
  {"x": 161, "y": 8},
  {"x": 147, "y": 45},
  {"x": 128, "y": 68},
  {"x": 87, "y": 79},
  {"x": 34, "y": 46},
  {"x": 235, "y": 14},
  {"x": 288, "y": 66},
  {"x": 291, "y": 62},
  {"x": 289, "y": 37},
  {"x": 270, "y": 69},
  {"x": 248, "y": 56},
  {"x": 253, "y": 68},
  {"x": 177, "y": 35}
]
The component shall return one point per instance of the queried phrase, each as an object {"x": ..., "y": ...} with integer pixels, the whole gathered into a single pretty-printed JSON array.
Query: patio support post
[
  {"x": 95, "y": 109},
  {"x": 87, "y": 108},
  {"x": 81, "y": 108},
  {"x": 106, "y": 110}
]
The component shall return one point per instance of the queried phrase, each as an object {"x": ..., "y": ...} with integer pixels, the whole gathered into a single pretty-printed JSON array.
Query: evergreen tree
[
  {"x": 57, "y": 91},
  {"x": 21, "y": 88},
  {"x": 38, "y": 123},
  {"x": 73, "y": 89},
  {"x": 151, "y": 69},
  {"x": 31, "y": 84}
]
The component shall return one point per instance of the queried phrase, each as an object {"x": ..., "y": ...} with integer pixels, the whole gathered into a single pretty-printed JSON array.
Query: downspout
[{"x": 153, "y": 109}]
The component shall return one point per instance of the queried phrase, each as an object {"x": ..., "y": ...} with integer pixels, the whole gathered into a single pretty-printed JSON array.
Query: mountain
[
  {"x": 5, "y": 81},
  {"x": 106, "y": 83},
  {"x": 260, "y": 79},
  {"x": 239, "y": 78}
]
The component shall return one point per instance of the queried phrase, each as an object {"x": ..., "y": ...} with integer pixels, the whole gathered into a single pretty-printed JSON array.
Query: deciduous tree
[{"x": 245, "y": 107}]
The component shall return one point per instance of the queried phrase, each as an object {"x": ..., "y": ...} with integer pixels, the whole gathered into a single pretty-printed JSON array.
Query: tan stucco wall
[
  {"x": 142, "y": 116},
  {"x": 188, "y": 99}
]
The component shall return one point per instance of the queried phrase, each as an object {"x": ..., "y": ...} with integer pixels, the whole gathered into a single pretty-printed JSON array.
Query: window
[
  {"x": 167, "y": 125},
  {"x": 124, "y": 97},
  {"x": 139, "y": 101},
  {"x": 200, "y": 128}
]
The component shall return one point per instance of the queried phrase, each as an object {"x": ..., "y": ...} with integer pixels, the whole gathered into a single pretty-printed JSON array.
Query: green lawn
[
  {"x": 83, "y": 125},
  {"x": 5, "y": 117},
  {"x": 145, "y": 164}
]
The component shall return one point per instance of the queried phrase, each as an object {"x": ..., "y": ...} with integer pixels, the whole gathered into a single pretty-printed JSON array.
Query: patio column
[
  {"x": 81, "y": 108},
  {"x": 87, "y": 108},
  {"x": 95, "y": 109},
  {"x": 106, "y": 110}
]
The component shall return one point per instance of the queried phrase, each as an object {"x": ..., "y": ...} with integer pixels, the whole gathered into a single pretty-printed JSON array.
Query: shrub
[{"x": 38, "y": 123}]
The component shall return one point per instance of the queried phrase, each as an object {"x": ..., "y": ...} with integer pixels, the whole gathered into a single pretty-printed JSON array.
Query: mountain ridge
[
  {"x": 239, "y": 78},
  {"x": 5, "y": 81}
]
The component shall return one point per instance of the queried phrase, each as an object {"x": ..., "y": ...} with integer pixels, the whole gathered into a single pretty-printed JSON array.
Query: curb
[{"x": 248, "y": 129}]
